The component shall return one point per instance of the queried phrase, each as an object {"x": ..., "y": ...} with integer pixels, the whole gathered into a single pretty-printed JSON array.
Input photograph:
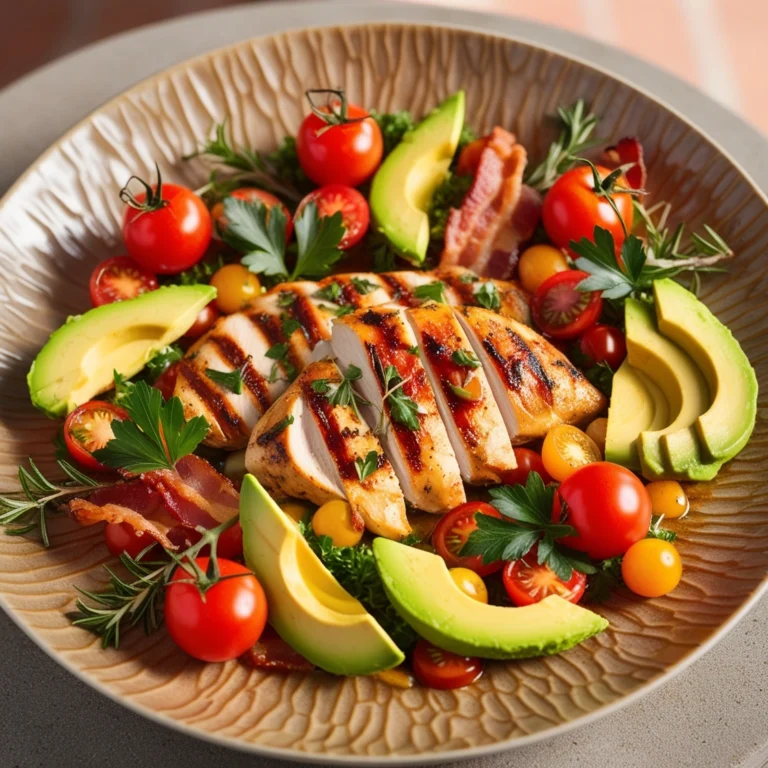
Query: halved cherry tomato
[
  {"x": 206, "y": 317},
  {"x": 167, "y": 381},
  {"x": 122, "y": 537},
  {"x": 355, "y": 214},
  {"x": 444, "y": 670},
  {"x": 452, "y": 532},
  {"x": 538, "y": 263},
  {"x": 607, "y": 505},
  {"x": 572, "y": 210},
  {"x": 88, "y": 428},
  {"x": 172, "y": 237},
  {"x": 235, "y": 286},
  {"x": 348, "y": 153},
  {"x": 651, "y": 568},
  {"x": 223, "y": 624},
  {"x": 566, "y": 449},
  {"x": 251, "y": 194},
  {"x": 604, "y": 344},
  {"x": 527, "y": 582},
  {"x": 118, "y": 279},
  {"x": 562, "y": 311},
  {"x": 527, "y": 461}
]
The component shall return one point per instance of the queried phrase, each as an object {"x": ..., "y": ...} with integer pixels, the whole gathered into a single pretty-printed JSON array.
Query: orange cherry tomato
[{"x": 651, "y": 568}]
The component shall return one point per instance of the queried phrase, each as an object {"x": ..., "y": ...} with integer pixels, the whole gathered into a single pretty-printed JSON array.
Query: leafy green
[
  {"x": 331, "y": 292},
  {"x": 163, "y": 360},
  {"x": 414, "y": 350},
  {"x": 450, "y": 194},
  {"x": 155, "y": 436},
  {"x": 402, "y": 409},
  {"x": 342, "y": 393},
  {"x": 231, "y": 380},
  {"x": 465, "y": 359},
  {"x": 487, "y": 295},
  {"x": 367, "y": 466},
  {"x": 284, "y": 164},
  {"x": 286, "y": 299},
  {"x": 467, "y": 136},
  {"x": 279, "y": 353},
  {"x": 393, "y": 125},
  {"x": 259, "y": 233},
  {"x": 202, "y": 272},
  {"x": 318, "y": 238},
  {"x": 431, "y": 291},
  {"x": 289, "y": 325},
  {"x": 606, "y": 578},
  {"x": 363, "y": 286}
]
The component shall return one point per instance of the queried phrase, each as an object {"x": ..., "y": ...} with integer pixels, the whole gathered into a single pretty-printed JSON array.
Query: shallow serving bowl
[{"x": 63, "y": 216}]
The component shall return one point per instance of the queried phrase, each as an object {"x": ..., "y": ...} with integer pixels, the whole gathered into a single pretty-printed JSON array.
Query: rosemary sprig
[{"x": 27, "y": 510}]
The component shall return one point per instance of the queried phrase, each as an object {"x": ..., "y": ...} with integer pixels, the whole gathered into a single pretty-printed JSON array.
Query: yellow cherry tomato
[
  {"x": 668, "y": 498},
  {"x": 235, "y": 286},
  {"x": 335, "y": 519},
  {"x": 651, "y": 568},
  {"x": 296, "y": 510},
  {"x": 538, "y": 263},
  {"x": 470, "y": 584},
  {"x": 596, "y": 430},
  {"x": 567, "y": 449}
]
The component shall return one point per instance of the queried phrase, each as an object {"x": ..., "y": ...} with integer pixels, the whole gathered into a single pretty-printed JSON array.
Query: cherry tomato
[
  {"x": 118, "y": 279},
  {"x": 668, "y": 498},
  {"x": 538, "y": 263},
  {"x": 470, "y": 584},
  {"x": 572, "y": 210},
  {"x": 651, "y": 568},
  {"x": 251, "y": 194},
  {"x": 226, "y": 623},
  {"x": 562, "y": 311},
  {"x": 336, "y": 519},
  {"x": 172, "y": 237},
  {"x": 436, "y": 668},
  {"x": 167, "y": 381},
  {"x": 604, "y": 344},
  {"x": 355, "y": 214},
  {"x": 566, "y": 449},
  {"x": 229, "y": 545},
  {"x": 452, "y": 532},
  {"x": 207, "y": 316},
  {"x": 527, "y": 582},
  {"x": 527, "y": 461},
  {"x": 348, "y": 153},
  {"x": 596, "y": 431},
  {"x": 607, "y": 505},
  {"x": 121, "y": 537},
  {"x": 235, "y": 286},
  {"x": 469, "y": 157},
  {"x": 88, "y": 428}
]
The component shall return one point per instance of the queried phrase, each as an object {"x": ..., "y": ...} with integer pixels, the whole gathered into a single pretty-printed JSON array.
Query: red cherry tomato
[
  {"x": 604, "y": 344},
  {"x": 527, "y": 582},
  {"x": 348, "y": 153},
  {"x": 452, "y": 532},
  {"x": 572, "y": 210},
  {"x": 527, "y": 461},
  {"x": 607, "y": 505},
  {"x": 207, "y": 316},
  {"x": 229, "y": 546},
  {"x": 88, "y": 428},
  {"x": 118, "y": 279},
  {"x": 171, "y": 238},
  {"x": 251, "y": 194},
  {"x": 121, "y": 537},
  {"x": 167, "y": 381},
  {"x": 436, "y": 668},
  {"x": 226, "y": 623},
  {"x": 355, "y": 214},
  {"x": 560, "y": 310}
]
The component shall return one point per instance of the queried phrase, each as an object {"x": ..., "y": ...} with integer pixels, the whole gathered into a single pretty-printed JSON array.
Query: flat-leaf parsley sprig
[
  {"x": 529, "y": 506},
  {"x": 342, "y": 393}
]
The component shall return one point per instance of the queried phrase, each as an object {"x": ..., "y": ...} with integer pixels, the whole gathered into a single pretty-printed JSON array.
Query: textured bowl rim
[{"x": 448, "y": 755}]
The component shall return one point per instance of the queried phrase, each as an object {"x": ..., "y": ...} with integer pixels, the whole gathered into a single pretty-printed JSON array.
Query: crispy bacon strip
[
  {"x": 272, "y": 652},
  {"x": 485, "y": 233}
]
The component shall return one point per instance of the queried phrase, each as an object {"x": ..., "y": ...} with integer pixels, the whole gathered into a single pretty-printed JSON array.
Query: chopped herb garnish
[
  {"x": 487, "y": 295},
  {"x": 289, "y": 325},
  {"x": 342, "y": 393},
  {"x": 367, "y": 466},
  {"x": 363, "y": 286},
  {"x": 414, "y": 350},
  {"x": 468, "y": 277},
  {"x": 431, "y": 291},
  {"x": 286, "y": 299},
  {"x": 231, "y": 380},
  {"x": 346, "y": 309},
  {"x": 274, "y": 431},
  {"x": 465, "y": 359},
  {"x": 402, "y": 409},
  {"x": 331, "y": 292},
  {"x": 393, "y": 125},
  {"x": 279, "y": 353}
]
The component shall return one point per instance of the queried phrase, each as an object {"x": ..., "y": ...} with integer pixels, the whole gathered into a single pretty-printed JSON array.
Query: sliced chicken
[
  {"x": 474, "y": 423},
  {"x": 316, "y": 456},
  {"x": 534, "y": 384},
  {"x": 412, "y": 433}
]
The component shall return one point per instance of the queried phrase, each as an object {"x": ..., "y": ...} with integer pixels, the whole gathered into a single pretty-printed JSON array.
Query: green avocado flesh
[
  {"x": 79, "y": 359},
  {"x": 724, "y": 428},
  {"x": 309, "y": 609},
  {"x": 402, "y": 188},
  {"x": 424, "y": 594}
]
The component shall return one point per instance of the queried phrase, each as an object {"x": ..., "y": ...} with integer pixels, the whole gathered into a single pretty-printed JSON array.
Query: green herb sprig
[
  {"x": 231, "y": 380},
  {"x": 367, "y": 466},
  {"x": 434, "y": 291},
  {"x": 342, "y": 393}
]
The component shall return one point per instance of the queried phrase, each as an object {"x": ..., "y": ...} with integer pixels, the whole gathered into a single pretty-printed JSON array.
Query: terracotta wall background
[{"x": 718, "y": 45}]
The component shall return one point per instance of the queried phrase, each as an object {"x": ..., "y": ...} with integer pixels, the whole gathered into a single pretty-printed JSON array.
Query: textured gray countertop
[{"x": 712, "y": 714}]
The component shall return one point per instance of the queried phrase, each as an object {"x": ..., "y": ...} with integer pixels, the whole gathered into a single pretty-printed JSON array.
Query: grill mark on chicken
[
  {"x": 399, "y": 292},
  {"x": 304, "y": 311},
  {"x": 254, "y": 381},
  {"x": 228, "y": 421},
  {"x": 464, "y": 291},
  {"x": 513, "y": 368},
  {"x": 272, "y": 328}
]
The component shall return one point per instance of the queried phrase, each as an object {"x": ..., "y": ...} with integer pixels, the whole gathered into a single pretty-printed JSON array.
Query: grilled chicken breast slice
[
  {"x": 475, "y": 426},
  {"x": 424, "y": 461},
  {"x": 322, "y": 459},
  {"x": 535, "y": 385}
]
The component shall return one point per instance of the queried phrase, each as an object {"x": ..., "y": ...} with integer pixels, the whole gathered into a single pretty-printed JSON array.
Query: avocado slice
[
  {"x": 79, "y": 359},
  {"x": 424, "y": 594},
  {"x": 402, "y": 189},
  {"x": 724, "y": 428},
  {"x": 672, "y": 451},
  {"x": 309, "y": 609}
]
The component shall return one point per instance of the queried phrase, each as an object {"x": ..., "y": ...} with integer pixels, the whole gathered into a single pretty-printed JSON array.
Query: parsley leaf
[
  {"x": 163, "y": 360},
  {"x": 231, "y": 380},
  {"x": 342, "y": 393},
  {"x": 286, "y": 299},
  {"x": 318, "y": 238},
  {"x": 487, "y": 295},
  {"x": 402, "y": 409},
  {"x": 414, "y": 350},
  {"x": 465, "y": 359},
  {"x": 363, "y": 286},
  {"x": 367, "y": 466},
  {"x": 468, "y": 277},
  {"x": 279, "y": 353},
  {"x": 155, "y": 437},
  {"x": 259, "y": 232},
  {"x": 331, "y": 292},
  {"x": 431, "y": 291},
  {"x": 289, "y": 325},
  {"x": 598, "y": 258}
]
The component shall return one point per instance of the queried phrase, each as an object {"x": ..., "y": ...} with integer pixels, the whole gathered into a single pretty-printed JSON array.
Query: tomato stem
[
  {"x": 153, "y": 198},
  {"x": 331, "y": 115}
]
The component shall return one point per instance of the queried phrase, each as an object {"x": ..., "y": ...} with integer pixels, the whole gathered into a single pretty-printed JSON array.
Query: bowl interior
[{"x": 63, "y": 216}]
